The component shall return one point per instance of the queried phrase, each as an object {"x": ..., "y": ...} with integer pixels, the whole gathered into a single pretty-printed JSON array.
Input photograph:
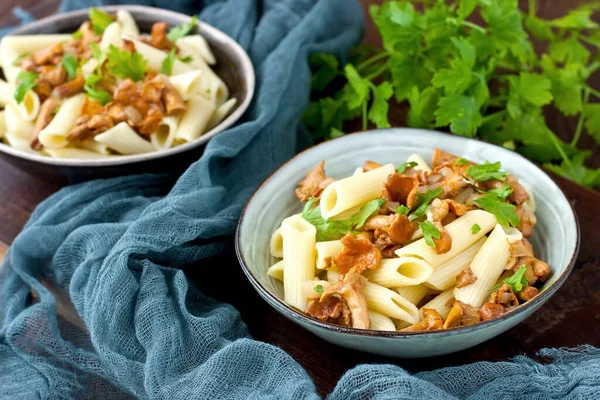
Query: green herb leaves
[
  {"x": 318, "y": 288},
  {"x": 167, "y": 64},
  {"x": 25, "y": 82},
  {"x": 518, "y": 280},
  {"x": 100, "y": 20},
  {"x": 486, "y": 172},
  {"x": 180, "y": 31},
  {"x": 124, "y": 64},
  {"x": 402, "y": 209},
  {"x": 402, "y": 167},
  {"x": 423, "y": 201},
  {"x": 504, "y": 212},
  {"x": 430, "y": 232},
  {"x": 100, "y": 96},
  {"x": 69, "y": 62},
  {"x": 330, "y": 229},
  {"x": 475, "y": 228}
]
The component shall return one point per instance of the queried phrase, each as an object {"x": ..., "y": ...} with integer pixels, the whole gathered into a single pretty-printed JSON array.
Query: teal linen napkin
[{"x": 114, "y": 246}]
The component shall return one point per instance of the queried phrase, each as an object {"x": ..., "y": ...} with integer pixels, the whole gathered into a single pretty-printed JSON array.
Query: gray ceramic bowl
[
  {"x": 555, "y": 238},
  {"x": 233, "y": 66}
]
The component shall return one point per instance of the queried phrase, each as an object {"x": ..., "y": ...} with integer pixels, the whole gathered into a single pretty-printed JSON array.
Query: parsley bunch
[{"x": 474, "y": 80}]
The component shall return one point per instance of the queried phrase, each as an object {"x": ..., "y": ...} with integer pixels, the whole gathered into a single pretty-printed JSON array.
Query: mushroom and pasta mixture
[
  {"x": 410, "y": 247},
  {"x": 108, "y": 89}
]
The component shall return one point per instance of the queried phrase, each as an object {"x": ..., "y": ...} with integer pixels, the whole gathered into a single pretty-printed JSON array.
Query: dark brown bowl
[{"x": 233, "y": 67}]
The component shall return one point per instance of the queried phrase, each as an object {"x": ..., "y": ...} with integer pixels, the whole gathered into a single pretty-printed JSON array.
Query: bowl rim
[
  {"x": 118, "y": 160},
  {"x": 299, "y": 317}
]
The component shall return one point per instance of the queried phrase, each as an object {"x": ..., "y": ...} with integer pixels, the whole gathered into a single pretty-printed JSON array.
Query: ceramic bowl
[
  {"x": 555, "y": 238},
  {"x": 233, "y": 66}
]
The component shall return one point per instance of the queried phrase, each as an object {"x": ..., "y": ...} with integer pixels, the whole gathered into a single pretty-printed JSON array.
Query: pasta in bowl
[
  {"x": 118, "y": 85},
  {"x": 394, "y": 253}
]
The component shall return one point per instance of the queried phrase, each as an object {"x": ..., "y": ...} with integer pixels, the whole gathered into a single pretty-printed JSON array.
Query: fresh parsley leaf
[
  {"x": 569, "y": 50},
  {"x": 167, "y": 64},
  {"x": 518, "y": 280},
  {"x": 504, "y": 212},
  {"x": 326, "y": 229},
  {"x": 530, "y": 88},
  {"x": 576, "y": 19},
  {"x": 25, "y": 81},
  {"x": 180, "y": 31},
  {"x": 430, "y": 232},
  {"x": 465, "y": 8},
  {"x": 422, "y": 107},
  {"x": 318, "y": 289},
  {"x": 22, "y": 56},
  {"x": 365, "y": 212},
  {"x": 100, "y": 20},
  {"x": 326, "y": 69},
  {"x": 379, "y": 108},
  {"x": 69, "y": 62},
  {"x": 186, "y": 59},
  {"x": 99, "y": 96},
  {"x": 502, "y": 192},
  {"x": 358, "y": 91},
  {"x": 475, "y": 229},
  {"x": 402, "y": 209},
  {"x": 423, "y": 201},
  {"x": 577, "y": 171},
  {"x": 124, "y": 64},
  {"x": 591, "y": 113},
  {"x": 77, "y": 34},
  {"x": 460, "y": 112},
  {"x": 460, "y": 161},
  {"x": 96, "y": 52},
  {"x": 402, "y": 167},
  {"x": 454, "y": 80},
  {"x": 486, "y": 172}
]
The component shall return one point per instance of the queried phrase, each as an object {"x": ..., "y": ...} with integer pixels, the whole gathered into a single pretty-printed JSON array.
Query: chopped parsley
[
  {"x": 180, "y": 31},
  {"x": 318, "y": 289},
  {"x": 22, "y": 56},
  {"x": 77, "y": 34},
  {"x": 167, "y": 64},
  {"x": 430, "y": 232},
  {"x": 69, "y": 62},
  {"x": 504, "y": 212},
  {"x": 402, "y": 167},
  {"x": 502, "y": 192},
  {"x": 100, "y": 20},
  {"x": 25, "y": 81},
  {"x": 475, "y": 229},
  {"x": 486, "y": 172},
  {"x": 402, "y": 209},
  {"x": 186, "y": 59},
  {"x": 124, "y": 64},
  {"x": 424, "y": 199},
  {"x": 516, "y": 281},
  {"x": 365, "y": 212},
  {"x": 100, "y": 96},
  {"x": 461, "y": 161}
]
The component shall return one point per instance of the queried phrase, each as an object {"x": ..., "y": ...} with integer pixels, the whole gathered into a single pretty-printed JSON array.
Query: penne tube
[
  {"x": 165, "y": 135},
  {"x": 440, "y": 303},
  {"x": 460, "y": 232},
  {"x": 384, "y": 301},
  {"x": 18, "y": 143},
  {"x": 444, "y": 275},
  {"x": 276, "y": 271},
  {"x": 92, "y": 145},
  {"x": 487, "y": 266},
  {"x": 155, "y": 57},
  {"x": 16, "y": 125},
  {"x": 124, "y": 140},
  {"x": 402, "y": 271},
  {"x": 89, "y": 67},
  {"x": 327, "y": 249},
  {"x": 352, "y": 191},
  {"x": 299, "y": 237},
  {"x": 54, "y": 135},
  {"x": 112, "y": 35},
  {"x": 358, "y": 171},
  {"x": 71, "y": 152},
  {"x": 421, "y": 163},
  {"x": 414, "y": 293},
  {"x": 2, "y": 123},
  {"x": 196, "y": 45},
  {"x": 186, "y": 84},
  {"x": 128, "y": 24},
  {"x": 276, "y": 244},
  {"x": 193, "y": 123},
  {"x": 30, "y": 106},
  {"x": 7, "y": 91},
  {"x": 380, "y": 322},
  {"x": 347, "y": 214},
  {"x": 313, "y": 289},
  {"x": 221, "y": 113}
]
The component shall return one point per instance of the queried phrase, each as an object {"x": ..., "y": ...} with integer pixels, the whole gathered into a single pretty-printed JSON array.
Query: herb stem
[
  {"x": 588, "y": 41},
  {"x": 593, "y": 67},
  {"x": 586, "y": 96},
  {"x": 560, "y": 149},
  {"x": 594, "y": 92},
  {"x": 372, "y": 60},
  {"x": 364, "y": 116},
  {"x": 492, "y": 116},
  {"x": 378, "y": 72},
  {"x": 474, "y": 26}
]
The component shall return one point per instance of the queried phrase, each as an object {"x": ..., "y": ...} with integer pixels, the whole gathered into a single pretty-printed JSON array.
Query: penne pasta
[
  {"x": 186, "y": 84},
  {"x": 358, "y": 171},
  {"x": 312, "y": 289},
  {"x": 54, "y": 135},
  {"x": 89, "y": 67},
  {"x": 299, "y": 238},
  {"x": 221, "y": 113},
  {"x": 444, "y": 275},
  {"x": 111, "y": 36},
  {"x": 128, "y": 24},
  {"x": 325, "y": 250},
  {"x": 276, "y": 244},
  {"x": 92, "y": 145},
  {"x": 70, "y": 152},
  {"x": 487, "y": 266},
  {"x": 165, "y": 135},
  {"x": 30, "y": 106},
  {"x": 196, "y": 45},
  {"x": 414, "y": 294},
  {"x": 18, "y": 143},
  {"x": 347, "y": 214},
  {"x": 460, "y": 232},
  {"x": 7, "y": 91},
  {"x": 124, "y": 140},
  {"x": 2, "y": 123},
  {"x": 195, "y": 119},
  {"x": 421, "y": 163},
  {"x": 276, "y": 271},
  {"x": 16, "y": 125},
  {"x": 349, "y": 192},
  {"x": 440, "y": 303},
  {"x": 380, "y": 322},
  {"x": 402, "y": 271}
]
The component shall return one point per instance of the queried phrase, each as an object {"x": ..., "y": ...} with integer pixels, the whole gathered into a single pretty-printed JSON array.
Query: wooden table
[{"x": 569, "y": 319}]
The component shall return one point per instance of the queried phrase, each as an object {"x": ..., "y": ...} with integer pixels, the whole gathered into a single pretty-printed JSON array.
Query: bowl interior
[
  {"x": 233, "y": 67},
  {"x": 555, "y": 237}
]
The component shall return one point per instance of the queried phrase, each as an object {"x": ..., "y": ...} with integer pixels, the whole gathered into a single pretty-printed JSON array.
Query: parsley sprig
[
  {"x": 25, "y": 81},
  {"x": 124, "y": 64},
  {"x": 516, "y": 281},
  {"x": 443, "y": 67}
]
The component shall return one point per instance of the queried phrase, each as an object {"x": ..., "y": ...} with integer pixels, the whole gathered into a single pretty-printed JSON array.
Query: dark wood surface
[{"x": 569, "y": 319}]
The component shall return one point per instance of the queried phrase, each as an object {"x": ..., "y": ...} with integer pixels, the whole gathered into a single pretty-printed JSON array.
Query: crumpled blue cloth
[{"x": 114, "y": 248}]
